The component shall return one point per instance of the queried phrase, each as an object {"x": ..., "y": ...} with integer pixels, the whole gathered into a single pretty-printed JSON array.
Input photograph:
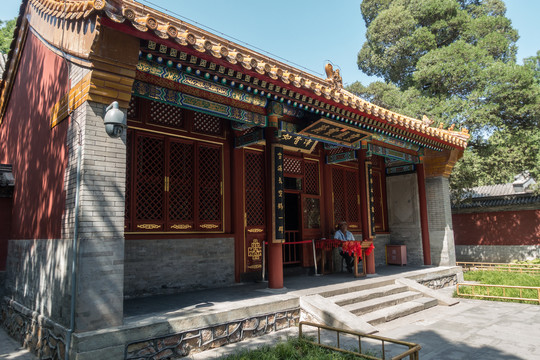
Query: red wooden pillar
[
  {"x": 423, "y": 213},
  {"x": 275, "y": 247},
  {"x": 364, "y": 193}
]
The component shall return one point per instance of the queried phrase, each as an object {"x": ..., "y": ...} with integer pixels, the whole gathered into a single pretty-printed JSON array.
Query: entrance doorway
[{"x": 292, "y": 253}]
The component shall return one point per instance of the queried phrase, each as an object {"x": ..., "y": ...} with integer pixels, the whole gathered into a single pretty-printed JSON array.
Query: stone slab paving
[
  {"x": 11, "y": 350},
  {"x": 472, "y": 329}
]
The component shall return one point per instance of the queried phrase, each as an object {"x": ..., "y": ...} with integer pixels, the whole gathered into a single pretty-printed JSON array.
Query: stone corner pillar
[
  {"x": 438, "y": 166},
  {"x": 100, "y": 273},
  {"x": 441, "y": 232}
]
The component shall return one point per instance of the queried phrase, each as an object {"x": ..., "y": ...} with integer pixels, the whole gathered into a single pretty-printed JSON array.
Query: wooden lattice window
[
  {"x": 352, "y": 196},
  {"x": 207, "y": 124},
  {"x": 379, "y": 193},
  {"x": 181, "y": 192},
  {"x": 346, "y": 197},
  {"x": 255, "y": 186},
  {"x": 209, "y": 184},
  {"x": 311, "y": 177},
  {"x": 292, "y": 166},
  {"x": 166, "y": 115},
  {"x": 127, "y": 212},
  {"x": 133, "y": 109},
  {"x": 149, "y": 172},
  {"x": 175, "y": 184}
]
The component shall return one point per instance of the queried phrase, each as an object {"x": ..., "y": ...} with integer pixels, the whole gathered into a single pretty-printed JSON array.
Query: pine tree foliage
[
  {"x": 455, "y": 61},
  {"x": 6, "y": 34}
]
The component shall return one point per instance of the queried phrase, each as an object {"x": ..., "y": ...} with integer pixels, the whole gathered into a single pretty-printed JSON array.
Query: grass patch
[
  {"x": 503, "y": 278},
  {"x": 294, "y": 348}
]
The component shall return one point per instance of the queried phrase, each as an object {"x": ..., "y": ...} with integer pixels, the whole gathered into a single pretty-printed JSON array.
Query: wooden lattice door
[
  {"x": 255, "y": 215},
  {"x": 346, "y": 197},
  {"x": 174, "y": 185}
]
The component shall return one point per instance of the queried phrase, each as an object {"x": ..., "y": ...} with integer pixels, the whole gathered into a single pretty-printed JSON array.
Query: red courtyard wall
[
  {"x": 37, "y": 152},
  {"x": 497, "y": 228}
]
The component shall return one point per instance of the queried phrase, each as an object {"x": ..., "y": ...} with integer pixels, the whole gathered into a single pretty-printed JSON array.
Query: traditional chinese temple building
[{"x": 225, "y": 149}]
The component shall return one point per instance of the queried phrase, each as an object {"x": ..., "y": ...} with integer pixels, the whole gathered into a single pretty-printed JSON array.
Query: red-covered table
[{"x": 358, "y": 249}]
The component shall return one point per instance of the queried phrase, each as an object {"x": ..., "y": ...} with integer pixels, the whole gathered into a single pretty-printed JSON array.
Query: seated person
[{"x": 344, "y": 235}]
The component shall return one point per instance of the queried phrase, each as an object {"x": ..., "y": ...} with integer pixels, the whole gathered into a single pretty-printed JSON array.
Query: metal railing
[
  {"x": 485, "y": 289},
  {"x": 412, "y": 349},
  {"x": 292, "y": 253},
  {"x": 511, "y": 267}
]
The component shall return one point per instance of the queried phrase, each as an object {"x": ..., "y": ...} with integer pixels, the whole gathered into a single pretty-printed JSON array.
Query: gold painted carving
[
  {"x": 254, "y": 267},
  {"x": 181, "y": 226},
  {"x": 333, "y": 76},
  {"x": 148, "y": 226},
  {"x": 255, "y": 230},
  {"x": 209, "y": 226},
  {"x": 255, "y": 250}
]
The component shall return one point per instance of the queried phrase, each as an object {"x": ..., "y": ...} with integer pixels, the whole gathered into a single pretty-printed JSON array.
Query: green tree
[
  {"x": 455, "y": 61},
  {"x": 6, "y": 34}
]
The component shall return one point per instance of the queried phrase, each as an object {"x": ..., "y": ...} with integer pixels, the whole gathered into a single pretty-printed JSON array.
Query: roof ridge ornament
[{"x": 333, "y": 76}]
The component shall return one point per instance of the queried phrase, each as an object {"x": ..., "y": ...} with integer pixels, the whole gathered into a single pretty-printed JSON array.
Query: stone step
[
  {"x": 364, "y": 295},
  {"x": 381, "y": 302},
  {"x": 399, "y": 310},
  {"x": 364, "y": 284}
]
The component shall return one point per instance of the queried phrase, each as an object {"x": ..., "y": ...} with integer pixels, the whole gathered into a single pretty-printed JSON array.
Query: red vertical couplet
[
  {"x": 423, "y": 213},
  {"x": 275, "y": 248},
  {"x": 366, "y": 225}
]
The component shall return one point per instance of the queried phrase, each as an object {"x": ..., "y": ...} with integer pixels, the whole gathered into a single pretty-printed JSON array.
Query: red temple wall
[
  {"x": 37, "y": 152},
  {"x": 497, "y": 228}
]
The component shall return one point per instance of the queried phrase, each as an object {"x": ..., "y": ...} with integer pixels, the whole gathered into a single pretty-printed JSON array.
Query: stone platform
[
  {"x": 177, "y": 325},
  {"x": 197, "y": 321}
]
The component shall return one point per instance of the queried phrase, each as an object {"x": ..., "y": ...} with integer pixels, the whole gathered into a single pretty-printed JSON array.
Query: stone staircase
[{"x": 384, "y": 301}]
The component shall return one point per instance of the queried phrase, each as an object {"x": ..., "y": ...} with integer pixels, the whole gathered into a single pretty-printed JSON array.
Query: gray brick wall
[
  {"x": 497, "y": 253},
  {"x": 174, "y": 265},
  {"x": 404, "y": 216},
  {"x": 441, "y": 234},
  {"x": 101, "y": 234}
]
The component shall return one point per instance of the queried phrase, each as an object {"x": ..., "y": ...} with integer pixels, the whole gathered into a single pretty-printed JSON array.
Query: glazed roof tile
[
  {"x": 146, "y": 19},
  {"x": 501, "y": 194}
]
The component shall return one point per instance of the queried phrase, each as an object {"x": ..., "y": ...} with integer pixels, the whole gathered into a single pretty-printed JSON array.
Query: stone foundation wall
[
  {"x": 188, "y": 342},
  {"x": 380, "y": 242},
  {"x": 440, "y": 283},
  {"x": 170, "y": 266},
  {"x": 37, "y": 276},
  {"x": 38, "y": 334}
]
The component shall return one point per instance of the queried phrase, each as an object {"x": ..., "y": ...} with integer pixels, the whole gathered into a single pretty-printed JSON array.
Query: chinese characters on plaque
[{"x": 279, "y": 194}]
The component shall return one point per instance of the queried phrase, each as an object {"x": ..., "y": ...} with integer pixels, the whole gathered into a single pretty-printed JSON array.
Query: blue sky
[{"x": 308, "y": 33}]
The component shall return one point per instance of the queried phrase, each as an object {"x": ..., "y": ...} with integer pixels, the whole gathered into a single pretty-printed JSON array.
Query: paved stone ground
[
  {"x": 472, "y": 329},
  {"x": 11, "y": 350}
]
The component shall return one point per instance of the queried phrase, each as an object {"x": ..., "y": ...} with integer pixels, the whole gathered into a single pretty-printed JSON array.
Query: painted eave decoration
[{"x": 343, "y": 106}]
